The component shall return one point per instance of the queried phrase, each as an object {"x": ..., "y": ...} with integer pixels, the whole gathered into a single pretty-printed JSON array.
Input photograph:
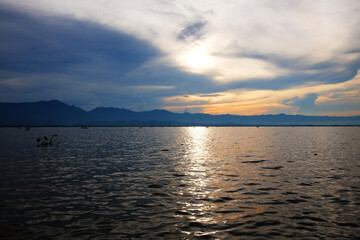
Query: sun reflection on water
[
  {"x": 198, "y": 137},
  {"x": 198, "y": 159},
  {"x": 197, "y": 169},
  {"x": 213, "y": 178}
]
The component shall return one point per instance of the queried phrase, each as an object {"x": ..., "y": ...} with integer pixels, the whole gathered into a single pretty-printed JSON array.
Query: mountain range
[{"x": 56, "y": 113}]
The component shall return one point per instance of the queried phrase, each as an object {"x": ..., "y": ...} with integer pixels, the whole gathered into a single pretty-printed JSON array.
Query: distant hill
[{"x": 56, "y": 113}]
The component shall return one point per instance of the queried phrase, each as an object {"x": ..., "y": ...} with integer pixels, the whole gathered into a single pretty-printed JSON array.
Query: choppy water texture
[{"x": 181, "y": 183}]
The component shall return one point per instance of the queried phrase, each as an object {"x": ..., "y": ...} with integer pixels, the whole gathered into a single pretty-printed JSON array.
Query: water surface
[{"x": 181, "y": 183}]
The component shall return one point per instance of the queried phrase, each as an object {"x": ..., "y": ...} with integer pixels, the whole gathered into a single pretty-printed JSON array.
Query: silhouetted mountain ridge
[{"x": 56, "y": 113}]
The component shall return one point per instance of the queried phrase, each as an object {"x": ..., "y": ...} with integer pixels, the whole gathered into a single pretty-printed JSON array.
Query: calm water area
[{"x": 180, "y": 183}]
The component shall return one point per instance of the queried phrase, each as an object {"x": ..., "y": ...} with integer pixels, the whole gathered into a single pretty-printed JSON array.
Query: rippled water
[{"x": 181, "y": 183}]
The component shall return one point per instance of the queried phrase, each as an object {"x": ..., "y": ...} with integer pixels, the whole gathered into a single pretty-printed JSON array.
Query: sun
[{"x": 197, "y": 60}]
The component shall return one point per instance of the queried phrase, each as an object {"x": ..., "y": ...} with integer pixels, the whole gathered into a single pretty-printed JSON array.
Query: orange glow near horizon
[
  {"x": 257, "y": 102},
  {"x": 219, "y": 109}
]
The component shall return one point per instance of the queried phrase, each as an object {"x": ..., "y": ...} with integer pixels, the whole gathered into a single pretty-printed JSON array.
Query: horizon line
[{"x": 271, "y": 114}]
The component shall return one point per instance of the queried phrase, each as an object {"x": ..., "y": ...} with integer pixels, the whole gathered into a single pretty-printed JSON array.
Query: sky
[{"x": 244, "y": 57}]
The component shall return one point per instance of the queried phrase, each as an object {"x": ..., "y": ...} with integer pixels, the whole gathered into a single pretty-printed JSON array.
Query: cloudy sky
[{"x": 240, "y": 57}]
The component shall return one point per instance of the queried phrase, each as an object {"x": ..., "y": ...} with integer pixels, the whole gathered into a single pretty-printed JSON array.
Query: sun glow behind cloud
[{"x": 197, "y": 60}]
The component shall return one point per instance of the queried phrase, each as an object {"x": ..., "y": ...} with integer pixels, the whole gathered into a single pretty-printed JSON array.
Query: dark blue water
[{"x": 181, "y": 183}]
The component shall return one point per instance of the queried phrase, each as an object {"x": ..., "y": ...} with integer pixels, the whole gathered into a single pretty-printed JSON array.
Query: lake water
[{"x": 181, "y": 183}]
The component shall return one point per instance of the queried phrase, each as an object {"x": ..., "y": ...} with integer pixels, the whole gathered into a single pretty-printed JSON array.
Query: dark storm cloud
[{"x": 38, "y": 44}]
